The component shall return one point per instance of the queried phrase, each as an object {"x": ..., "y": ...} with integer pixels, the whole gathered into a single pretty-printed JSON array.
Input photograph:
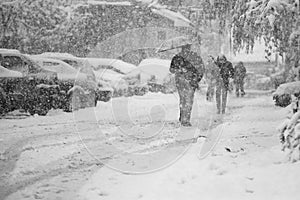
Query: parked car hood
[{"x": 9, "y": 73}]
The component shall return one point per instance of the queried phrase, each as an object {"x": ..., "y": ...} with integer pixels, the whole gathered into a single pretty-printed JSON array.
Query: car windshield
[
  {"x": 32, "y": 63},
  {"x": 73, "y": 63}
]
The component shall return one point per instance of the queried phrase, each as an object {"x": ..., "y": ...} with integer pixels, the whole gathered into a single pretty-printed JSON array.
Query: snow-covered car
[
  {"x": 154, "y": 73},
  {"x": 64, "y": 71},
  {"x": 84, "y": 67},
  {"x": 113, "y": 80},
  {"x": 283, "y": 94},
  {"x": 15, "y": 61},
  {"x": 116, "y": 65},
  {"x": 137, "y": 89},
  {"x": 81, "y": 64},
  {"x": 71, "y": 81},
  {"x": 27, "y": 91}
]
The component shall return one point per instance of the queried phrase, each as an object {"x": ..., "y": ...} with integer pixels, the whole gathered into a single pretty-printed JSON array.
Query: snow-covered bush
[
  {"x": 257, "y": 81},
  {"x": 264, "y": 83},
  {"x": 283, "y": 95},
  {"x": 290, "y": 132}
]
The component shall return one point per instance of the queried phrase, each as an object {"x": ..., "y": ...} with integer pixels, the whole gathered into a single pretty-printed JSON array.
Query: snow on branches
[
  {"x": 272, "y": 20},
  {"x": 28, "y": 25},
  {"x": 290, "y": 137},
  {"x": 290, "y": 129}
]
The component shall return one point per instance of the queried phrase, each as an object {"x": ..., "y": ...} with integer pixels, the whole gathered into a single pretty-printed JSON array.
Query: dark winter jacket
[
  {"x": 239, "y": 72},
  {"x": 211, "y": 72},
  {"x": 189, "y": 67},
  {"x": 226, "y": 72}
]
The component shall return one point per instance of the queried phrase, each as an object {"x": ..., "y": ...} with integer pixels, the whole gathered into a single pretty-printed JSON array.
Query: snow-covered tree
[
  {"x": 29, "y": 25},
  {"x": 8, "y": 23},
  {"x": 277, "y": 22},
  {"x": 90, "y": 24}
]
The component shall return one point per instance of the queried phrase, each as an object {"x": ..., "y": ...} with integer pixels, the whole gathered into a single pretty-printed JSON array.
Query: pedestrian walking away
[
  {"x": 211, "y": 72},
  {"x": 188, "y": 68},
  {"x": 226, "y": 71},
  {"x": 239, "y": 76}
]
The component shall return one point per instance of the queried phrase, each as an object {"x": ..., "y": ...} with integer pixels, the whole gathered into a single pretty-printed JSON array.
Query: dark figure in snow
[
  {"x": 239, "y": 76},
  {"x": 226, "y": 71},
  {"x": 211, "y": 72},
  {"x": 189, "y": 70}
]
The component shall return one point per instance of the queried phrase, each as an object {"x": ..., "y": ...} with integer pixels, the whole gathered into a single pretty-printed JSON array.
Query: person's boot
[
  {"x": 243, "y": 94},
  {"x": 186, "y": 124}
]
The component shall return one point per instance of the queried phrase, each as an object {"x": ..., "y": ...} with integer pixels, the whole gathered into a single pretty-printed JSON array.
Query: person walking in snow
[
  {"x": 239, "y": 76},
  {"x": 188, "y": 68},
  {"x": 226, "y": 71},
  {"x": 211, "y": 71}
]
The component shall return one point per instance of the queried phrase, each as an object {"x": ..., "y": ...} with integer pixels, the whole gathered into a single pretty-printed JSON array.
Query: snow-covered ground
[
  {"x": 71, "y": 155},
  {"x": 246, "y": 164}
]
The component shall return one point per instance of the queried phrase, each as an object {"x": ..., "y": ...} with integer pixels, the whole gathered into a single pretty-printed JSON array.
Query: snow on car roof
[
  {"x": 57, "y": 55},
  {"x": 9, "y": 73},
  {"x": 120, "y": 65},
  {"x": 152, "y": 67},
  {"x": 155, "y": 61},
  {"x": 38, "y": 58},
  {"x": 65, "y": 65},
  {"x": 118, "y": 3},
  {"x": 10, "y": 50},
  {"x": 107, "y": 74}
]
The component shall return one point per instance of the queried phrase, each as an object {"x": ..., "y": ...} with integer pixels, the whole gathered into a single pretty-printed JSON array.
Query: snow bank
[{"x": 288, "y": 88}]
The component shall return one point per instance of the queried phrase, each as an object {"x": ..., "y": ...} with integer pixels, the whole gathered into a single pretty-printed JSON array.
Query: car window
[
  {"x": 14, "y": 63},
  {"x": 73, "y": 63},
  {"x": 32, "y": 66},
  {"x": 46, "y": 63},
  {"x": 110, "y": 68}
]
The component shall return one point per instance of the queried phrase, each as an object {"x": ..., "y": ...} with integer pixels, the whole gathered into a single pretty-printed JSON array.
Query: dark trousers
[
  {"x": 221, "y": 96},
  {"x": 239, "y": 87},
  {"x": 186, "y": 99},
  {"x": 210, "y": 92}
]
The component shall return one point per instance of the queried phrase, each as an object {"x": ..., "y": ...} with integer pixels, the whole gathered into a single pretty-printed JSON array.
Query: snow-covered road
[{"x": 80, "y": 155}]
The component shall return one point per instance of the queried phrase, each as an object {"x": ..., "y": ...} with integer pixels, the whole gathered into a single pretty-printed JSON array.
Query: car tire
[{"x": 3, "y": 102}]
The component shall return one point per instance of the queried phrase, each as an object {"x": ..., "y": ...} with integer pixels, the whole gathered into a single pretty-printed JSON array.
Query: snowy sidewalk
[{"x": 246, "y": 164}]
